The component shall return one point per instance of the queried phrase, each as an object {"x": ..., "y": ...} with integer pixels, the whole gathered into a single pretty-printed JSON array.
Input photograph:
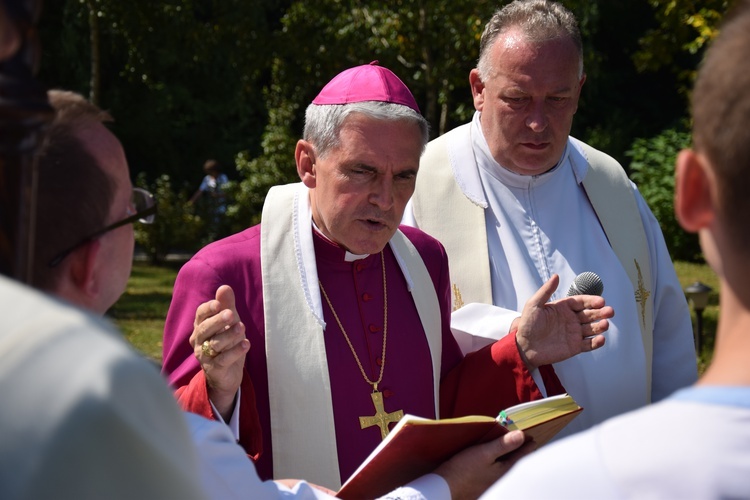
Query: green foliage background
[
  {"x": 188, "y": 80},
  {"x": 652, "y": 169}
]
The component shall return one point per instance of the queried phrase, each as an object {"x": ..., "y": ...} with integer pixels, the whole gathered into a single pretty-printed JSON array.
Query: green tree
[
  {"x": 652, "y": 169},
  {"x": 174, "y": 227},
  {"x": 430, "y": 45},
  {"x": 275, "y": 166},
  {"x": 683, "y": 28},
  {"x": 183, "y": 78},
  {"x": 230, "y": 79}
]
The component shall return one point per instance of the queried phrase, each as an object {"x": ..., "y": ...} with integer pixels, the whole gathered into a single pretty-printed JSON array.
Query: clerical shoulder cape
[
  {"x": 355, "y": 289},
  {"x": 448, "y": 210}
]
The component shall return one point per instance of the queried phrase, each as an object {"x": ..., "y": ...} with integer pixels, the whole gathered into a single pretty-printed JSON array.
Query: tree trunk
[{"x": 95, "y": 53}]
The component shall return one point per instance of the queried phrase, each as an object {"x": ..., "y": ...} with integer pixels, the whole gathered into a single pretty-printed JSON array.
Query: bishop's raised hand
[{"x": 220, "y": 345}]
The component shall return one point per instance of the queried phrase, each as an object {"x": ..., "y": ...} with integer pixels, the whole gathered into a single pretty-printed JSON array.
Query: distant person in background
[
  {"x": 696, "y": 443},
  {"x": 211, "y": 200},
  {"x": 212, "y": 183},
  {"x": 211, "y": 189}
]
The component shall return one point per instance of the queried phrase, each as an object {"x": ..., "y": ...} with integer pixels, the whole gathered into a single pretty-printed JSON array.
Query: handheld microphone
[{"x": 586, "y": 283}]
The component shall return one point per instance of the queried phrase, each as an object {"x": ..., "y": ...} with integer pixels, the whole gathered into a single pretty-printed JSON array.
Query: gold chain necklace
[{"x": 381, "y": 418}]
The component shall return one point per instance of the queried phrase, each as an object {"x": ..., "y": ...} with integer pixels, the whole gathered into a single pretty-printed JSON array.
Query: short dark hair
[
  {"x": 721, "y": 118},
  {"x": 74, "y": 194},
  {"x": 211, "y": 165}
]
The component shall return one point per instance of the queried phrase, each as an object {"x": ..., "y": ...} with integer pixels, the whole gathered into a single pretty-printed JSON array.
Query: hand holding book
[{"x": 417, "y": 446}]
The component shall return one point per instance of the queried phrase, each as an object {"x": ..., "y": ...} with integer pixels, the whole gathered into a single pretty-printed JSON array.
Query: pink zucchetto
[{"x": 368, "y": 82}]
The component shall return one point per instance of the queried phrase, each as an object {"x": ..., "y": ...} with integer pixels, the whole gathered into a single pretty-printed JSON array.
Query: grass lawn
[
  {"x": 689, "y": 273},
  {"x": 141, "y": 311}
]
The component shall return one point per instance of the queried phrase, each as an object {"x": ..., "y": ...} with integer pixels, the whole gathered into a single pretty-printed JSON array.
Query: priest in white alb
[
  {"x": 329, "y": 322},
  {"x": 514, "y": 199}
]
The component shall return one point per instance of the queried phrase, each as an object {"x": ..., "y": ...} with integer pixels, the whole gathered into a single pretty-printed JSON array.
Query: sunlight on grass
[
  {"x": 141, "y": 311},
  {"x": 144, "y": 335}
]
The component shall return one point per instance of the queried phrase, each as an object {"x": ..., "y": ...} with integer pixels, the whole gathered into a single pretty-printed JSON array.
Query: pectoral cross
[{"x": 381, "y": 418}]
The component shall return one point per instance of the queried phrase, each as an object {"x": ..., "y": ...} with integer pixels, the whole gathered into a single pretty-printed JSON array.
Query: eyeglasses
[{"x": 143, "y": 209}]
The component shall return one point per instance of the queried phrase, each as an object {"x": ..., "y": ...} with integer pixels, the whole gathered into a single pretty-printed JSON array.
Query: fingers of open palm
[
  {"x": 594, "y": 328},
  {"x": 591, "y": 315},
  {"x": 598, "y": 341},
  {"x": 587, "y": 301},
  {"x": 576, "y": 310},
  {"x": 575, "y": 332},
  {"x": 592, "y": 343},
  {"x": 543, "y": 294},
  {"x": 587, "y": 308}
]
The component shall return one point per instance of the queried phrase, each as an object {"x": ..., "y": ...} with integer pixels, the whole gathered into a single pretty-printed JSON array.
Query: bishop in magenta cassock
[{"x": 348, "y": 317}]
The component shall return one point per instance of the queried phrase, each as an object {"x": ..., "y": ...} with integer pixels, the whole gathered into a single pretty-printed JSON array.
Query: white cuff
[
  {"x": 430, "y": 486},
  {"x": 234, "y": 420},
  {"x": 476, "y": 325}
]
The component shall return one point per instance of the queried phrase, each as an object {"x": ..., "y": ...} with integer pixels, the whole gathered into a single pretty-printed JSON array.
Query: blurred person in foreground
[
  {"x": 696, "y": 443},
  {"x": 515, "y": 199},
  {"x": 82, "y": 415}
]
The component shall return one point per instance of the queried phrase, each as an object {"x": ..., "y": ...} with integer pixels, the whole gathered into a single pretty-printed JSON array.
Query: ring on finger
[{"x": 207, "y": 349}]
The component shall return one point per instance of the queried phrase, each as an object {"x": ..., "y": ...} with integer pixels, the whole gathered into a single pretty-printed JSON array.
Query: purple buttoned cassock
[{"x": 484, "y": 382}]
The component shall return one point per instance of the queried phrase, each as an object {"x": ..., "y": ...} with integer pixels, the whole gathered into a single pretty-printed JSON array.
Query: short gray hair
[
  {"x": 538, "y": 20},
  {"x": 323, "y": 122}
]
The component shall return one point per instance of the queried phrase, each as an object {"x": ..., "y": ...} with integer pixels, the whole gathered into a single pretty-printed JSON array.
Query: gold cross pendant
[{"x": 381, "y": 418}]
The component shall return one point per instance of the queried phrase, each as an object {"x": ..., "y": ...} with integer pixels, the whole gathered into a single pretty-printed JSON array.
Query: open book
[{"x": 416, "y": 445}]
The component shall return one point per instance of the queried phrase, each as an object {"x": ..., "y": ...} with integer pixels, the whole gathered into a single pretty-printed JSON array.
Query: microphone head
[{"x": 586, "y": 283}]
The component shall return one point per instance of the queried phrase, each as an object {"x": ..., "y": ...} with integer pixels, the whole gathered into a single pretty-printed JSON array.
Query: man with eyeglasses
[
  {"x": 142, "y": 209},
  {"x": 83, "y": 416},
  {"x": 86, "y": 206}
]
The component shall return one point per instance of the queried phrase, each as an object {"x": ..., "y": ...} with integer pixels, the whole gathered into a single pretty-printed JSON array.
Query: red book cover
[{"x": 416, "y": 446}]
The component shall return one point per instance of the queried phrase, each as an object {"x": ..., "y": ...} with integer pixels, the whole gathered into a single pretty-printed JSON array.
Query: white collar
[
  {"x": 305, "y": 251},
  {"x": 348, "y": 256},
  {"x": 468, "y": 178}
]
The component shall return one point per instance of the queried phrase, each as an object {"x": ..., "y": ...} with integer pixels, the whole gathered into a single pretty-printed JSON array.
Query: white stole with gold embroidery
[
  {"x": 302, "y": 421},
  {"x": 452, "y": 209}
]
